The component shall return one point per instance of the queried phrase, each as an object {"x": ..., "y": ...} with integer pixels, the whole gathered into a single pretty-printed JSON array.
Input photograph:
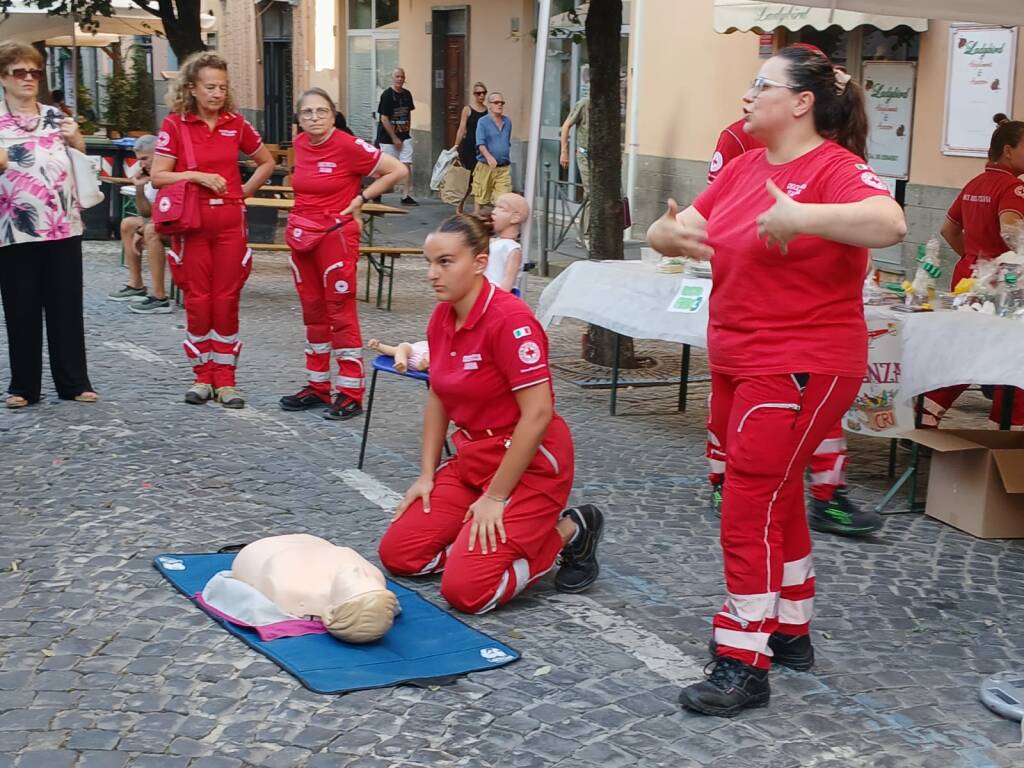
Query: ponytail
[
  {"x": 476, "y": 231},
  {"x": 839, "y": 112}
]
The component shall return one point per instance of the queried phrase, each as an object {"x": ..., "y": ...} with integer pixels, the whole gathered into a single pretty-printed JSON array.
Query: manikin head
[
  {"x": 362, "y": 619},
  {"x": 509, "y": 215}
]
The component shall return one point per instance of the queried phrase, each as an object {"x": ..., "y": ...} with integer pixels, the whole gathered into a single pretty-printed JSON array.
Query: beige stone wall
[{"x": 238, "y": 41}]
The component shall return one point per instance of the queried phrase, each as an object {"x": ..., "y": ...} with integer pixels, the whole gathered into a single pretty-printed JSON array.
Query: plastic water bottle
[
  {"x": 928, "y": 270},
  {"x": 1010, "y": 296}
]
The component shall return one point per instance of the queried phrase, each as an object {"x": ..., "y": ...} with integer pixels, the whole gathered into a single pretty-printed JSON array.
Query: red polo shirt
[
  {"x": 216, "y": 150},
  {"x": 329, "y": 174},
  {"x": 476, "y": 370},
  {"x": 732, "y": 142},
  {"x": 978, "y": 206}
]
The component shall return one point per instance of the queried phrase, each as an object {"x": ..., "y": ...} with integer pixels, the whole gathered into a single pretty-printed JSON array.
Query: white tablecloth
[
  {"x": 628, "y": 297},
  {"x": 921, "y": 352}
]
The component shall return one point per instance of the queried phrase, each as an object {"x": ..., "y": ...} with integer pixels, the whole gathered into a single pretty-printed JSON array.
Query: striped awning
[{"x": 750, "y": 16}]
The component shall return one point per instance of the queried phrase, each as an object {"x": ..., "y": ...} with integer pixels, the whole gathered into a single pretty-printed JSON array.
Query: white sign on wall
[
  {"x": 889, "y": 96},
  {"x": 979, "y": 84}
]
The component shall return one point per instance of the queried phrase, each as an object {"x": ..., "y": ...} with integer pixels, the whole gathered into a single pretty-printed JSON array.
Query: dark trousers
[{"x": 36, "y": 279}]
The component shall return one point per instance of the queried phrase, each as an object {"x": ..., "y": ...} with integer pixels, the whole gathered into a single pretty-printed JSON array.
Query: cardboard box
[{"x": 976, "y": 482}]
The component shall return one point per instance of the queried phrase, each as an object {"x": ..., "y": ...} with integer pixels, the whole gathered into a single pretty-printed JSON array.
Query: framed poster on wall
[
  {"x": 889, "y": 99},
  {"x": 979, "y": 84}
]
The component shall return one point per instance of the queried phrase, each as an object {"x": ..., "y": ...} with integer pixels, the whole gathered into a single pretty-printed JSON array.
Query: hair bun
[{"x": 999, "y": 118}]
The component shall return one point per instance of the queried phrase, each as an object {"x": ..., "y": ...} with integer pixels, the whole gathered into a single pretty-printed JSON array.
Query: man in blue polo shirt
[{"x": 492, "y": 176}]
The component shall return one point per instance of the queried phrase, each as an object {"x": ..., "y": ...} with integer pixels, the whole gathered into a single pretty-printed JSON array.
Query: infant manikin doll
[
  {"x": 415, "y": 356},
  {"x": 308, "y": 576}
]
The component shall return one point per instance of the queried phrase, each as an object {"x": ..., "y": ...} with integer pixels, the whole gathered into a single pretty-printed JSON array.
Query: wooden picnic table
[{"x": 371, "y": 210}]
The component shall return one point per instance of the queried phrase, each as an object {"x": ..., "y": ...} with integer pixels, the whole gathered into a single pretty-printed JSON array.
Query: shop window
[
  {"x": 900, "y": 44},
  {"x": 372, "y": 56},
  {"x": 372, "y": 14}
]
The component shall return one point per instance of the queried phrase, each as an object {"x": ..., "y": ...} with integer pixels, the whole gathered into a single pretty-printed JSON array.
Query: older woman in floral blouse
[{"x": 40, "y": 235}]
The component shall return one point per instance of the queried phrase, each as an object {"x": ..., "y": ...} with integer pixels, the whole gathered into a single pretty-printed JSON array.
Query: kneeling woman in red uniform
[
  {"x": 983, "y": 223},
  {"x": 788, "y": 227},
  {"x": 323, "y": 232},
  {"x": 212, "y": 263},
  {"x": 491, "y": 517}
]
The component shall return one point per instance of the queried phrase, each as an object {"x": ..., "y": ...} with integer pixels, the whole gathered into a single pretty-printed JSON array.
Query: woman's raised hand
[
  {"x": 421, "y": 489},
  {"x": 671, "y": 237}
]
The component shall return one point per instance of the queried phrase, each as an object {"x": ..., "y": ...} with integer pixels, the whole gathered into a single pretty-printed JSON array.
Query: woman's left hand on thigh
[{"x": 487, "y": 525}]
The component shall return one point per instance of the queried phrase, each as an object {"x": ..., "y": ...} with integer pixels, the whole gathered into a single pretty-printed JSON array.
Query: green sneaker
[
  {"x": 716, "y": 498},
  {"x": 841, "y": 516}
]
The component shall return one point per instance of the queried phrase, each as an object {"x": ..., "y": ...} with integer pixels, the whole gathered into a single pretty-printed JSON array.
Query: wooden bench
[{"x": 379, "y": 259}]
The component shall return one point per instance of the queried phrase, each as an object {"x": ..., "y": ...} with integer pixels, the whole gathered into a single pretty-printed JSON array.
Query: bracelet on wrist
[{"x": 498, "y": 499}]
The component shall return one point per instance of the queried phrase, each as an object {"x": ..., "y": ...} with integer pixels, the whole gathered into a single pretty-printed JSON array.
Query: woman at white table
[
  {"x": 323, "y": 233},
  {"x": 984, "y": 222},
  {"x": 788, "y": 228},
  {"x": 212, "y": 263}
]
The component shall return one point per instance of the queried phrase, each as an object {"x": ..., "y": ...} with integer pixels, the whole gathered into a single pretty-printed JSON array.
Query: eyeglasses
[
  {"x": 758, "y": 84},
  {"x": 479, "y": 93},
  {"x": 309, "y": 113},
  {"x": 21, "y": 73},
  {"x": 499, "y": 103}
]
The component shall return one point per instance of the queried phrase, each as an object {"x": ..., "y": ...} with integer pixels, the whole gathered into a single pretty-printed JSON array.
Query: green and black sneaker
[
  {"x": 716, "y": 498},
  {"x": 841, "y": 516}
]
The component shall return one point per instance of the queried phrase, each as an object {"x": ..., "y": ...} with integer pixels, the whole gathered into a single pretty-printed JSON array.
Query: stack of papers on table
[{"x": 698, "y": 269}]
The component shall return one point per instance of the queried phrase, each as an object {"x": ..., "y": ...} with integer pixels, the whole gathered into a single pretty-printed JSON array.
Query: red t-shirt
[
  {"x": 732, "y": 143},
  {"x": 798, "y": 312},
  {"x": 978, "y": 206},
  {"x": 328, "y": 175},
  {"x": 476, "y": 370},
  {"x": 216, "y": 151}
]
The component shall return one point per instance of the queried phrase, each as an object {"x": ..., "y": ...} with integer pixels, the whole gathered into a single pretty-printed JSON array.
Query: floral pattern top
[{"x": 37, "y": 191}]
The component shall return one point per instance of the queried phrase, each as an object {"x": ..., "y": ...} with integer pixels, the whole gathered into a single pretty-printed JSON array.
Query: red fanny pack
[
  {"x": 176, "y": 208},
  {"x": 304, "y": 234}
]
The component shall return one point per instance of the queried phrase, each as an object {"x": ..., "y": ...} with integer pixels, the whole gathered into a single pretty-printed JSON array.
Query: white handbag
[{"x": 86, "y": 178}]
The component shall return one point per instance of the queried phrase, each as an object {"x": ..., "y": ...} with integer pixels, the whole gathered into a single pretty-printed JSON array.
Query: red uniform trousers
[
  {"x": 325, "y": 279},
  {"x": 417, "y": 544},
  {"x": 211, "y": 265},
  {"x": 938, "y": 401},
  {"x": 769, "y": 426},
  {"x": 828, "y": 462}
]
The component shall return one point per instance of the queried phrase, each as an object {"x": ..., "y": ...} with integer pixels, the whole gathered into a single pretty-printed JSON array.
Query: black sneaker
[
  {"x": 151, "y": 305},
  {"x": 792, "y": 651},
  {"x": 716, "y": 498},
  {"x": 579, "y": 567},
  {"x": 839, "y": 515},
  {"x": 127, "y": 294},
  {"x": 407, "y": 200},
  {"x": 731, "y": 687},
  {"x": 343, "y": 408},
  {"x": 303, "y": 400}
]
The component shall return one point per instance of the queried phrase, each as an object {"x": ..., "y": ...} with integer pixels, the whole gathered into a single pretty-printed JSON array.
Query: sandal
[
  {"x": 16, "y": 401},
  {"x": 86, "y": 397}
]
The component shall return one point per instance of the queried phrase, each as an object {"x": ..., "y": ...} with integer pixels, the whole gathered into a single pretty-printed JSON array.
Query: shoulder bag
[{"x": 176, "y": 209}]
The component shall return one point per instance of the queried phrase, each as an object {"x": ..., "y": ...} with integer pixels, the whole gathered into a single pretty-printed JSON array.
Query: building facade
[{"x": 686, "y": 66}]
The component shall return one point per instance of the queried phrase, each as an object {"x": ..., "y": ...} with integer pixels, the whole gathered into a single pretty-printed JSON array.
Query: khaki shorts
[{"x": 490, "y": 183}]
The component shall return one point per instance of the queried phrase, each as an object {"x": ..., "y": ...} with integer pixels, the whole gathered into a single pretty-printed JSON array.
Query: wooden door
[{"x": 454, "y": 85}]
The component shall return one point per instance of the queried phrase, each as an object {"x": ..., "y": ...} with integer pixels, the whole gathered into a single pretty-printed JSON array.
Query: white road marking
[
  {"x": 372, "y": 489},
  {"x": 255, "y": 416},
  {"x": 137, "y": 352},
  {"x": 657, "y": 655}
]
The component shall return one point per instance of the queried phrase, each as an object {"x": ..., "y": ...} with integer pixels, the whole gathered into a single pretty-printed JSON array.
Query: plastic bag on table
[{"x": 444, "y": 162}]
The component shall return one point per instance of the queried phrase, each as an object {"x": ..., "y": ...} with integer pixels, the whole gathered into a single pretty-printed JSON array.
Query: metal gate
[{"x": 277, "y": 90}]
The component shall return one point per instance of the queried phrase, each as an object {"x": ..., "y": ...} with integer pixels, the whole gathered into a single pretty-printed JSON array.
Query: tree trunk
[
  {"x": 604, "y": 44},
  {"x": 181, "y": 25}
]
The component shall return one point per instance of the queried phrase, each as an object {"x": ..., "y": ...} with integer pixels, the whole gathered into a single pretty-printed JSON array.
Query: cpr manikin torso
[{"x": 307, "y": 576}]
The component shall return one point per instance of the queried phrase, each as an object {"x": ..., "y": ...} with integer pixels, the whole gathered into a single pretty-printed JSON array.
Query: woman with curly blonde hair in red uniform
[
  {"x": 788, "y": 228},
  {"x": 211, "y": 263}
]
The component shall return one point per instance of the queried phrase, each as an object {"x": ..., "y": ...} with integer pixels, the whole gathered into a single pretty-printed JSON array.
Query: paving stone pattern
[{"x": 104, "y": 665}]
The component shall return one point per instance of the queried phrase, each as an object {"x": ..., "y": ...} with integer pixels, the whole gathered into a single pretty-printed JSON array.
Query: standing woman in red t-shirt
[
  {"x": 492, "y": 516},
  {"x": 212, "y": 263},
  {"x": 983, "y": 223},
  {"x": 788, "y": 228},
  {"x": 323, "y": 232}
]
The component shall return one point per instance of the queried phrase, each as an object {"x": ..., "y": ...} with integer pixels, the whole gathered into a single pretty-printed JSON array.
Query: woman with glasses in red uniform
[
  {"x": 323, "y": 232},
  {"x": 491, "y": 518},
  {"x": 984, "y": 222},
  {"x": 211, "y": 263},
  {"x": 788, "y": 228}
]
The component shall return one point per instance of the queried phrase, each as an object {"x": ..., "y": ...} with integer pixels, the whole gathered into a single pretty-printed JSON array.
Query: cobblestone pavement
[{"x": 104, "y": 665}]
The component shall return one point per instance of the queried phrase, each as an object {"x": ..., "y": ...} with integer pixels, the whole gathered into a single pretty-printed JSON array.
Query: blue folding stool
[{"x": 385, "y": 363}]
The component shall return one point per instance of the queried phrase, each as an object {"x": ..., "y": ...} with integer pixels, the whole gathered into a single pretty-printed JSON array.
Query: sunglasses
[
  {"x": 479, "y": 93},
  {"x": 499, "y": 103},
  {"x": 21, "y": 73}
]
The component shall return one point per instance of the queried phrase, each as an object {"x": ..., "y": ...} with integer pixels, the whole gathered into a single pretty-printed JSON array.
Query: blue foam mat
[{"x": 424, "y": 643}]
